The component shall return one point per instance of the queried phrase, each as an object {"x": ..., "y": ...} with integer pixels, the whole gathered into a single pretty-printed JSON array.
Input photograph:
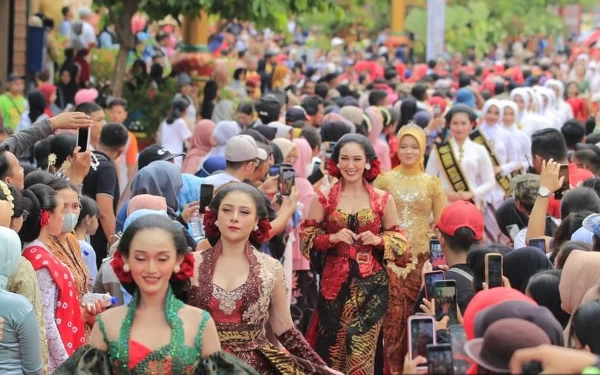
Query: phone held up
[
  {"x": 421, "y": 333},
  {"x": 563, "y": 172},
  {"x": 439, "y": 359},
  {"x": 430, "y": 279},
  {"x": 493, "y": 270},
  {"x": 206, "y": 195},
  {"x": 287, "y": 180},
  {"x": 445, "y": 300},
  {"x": 83, "y": 139},
  {"x": 436, "y": 257}
]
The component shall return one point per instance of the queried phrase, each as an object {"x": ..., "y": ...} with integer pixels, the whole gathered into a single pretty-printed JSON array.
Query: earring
[
  {"x": 256, "y": 227},
  {"x": 176, "y": 269},
  {"x": 368, "y": 166},
  {"x": 126, "y": 267},
  {"x": 338, "y": 165},
  {"x": 217, "y": 223}
]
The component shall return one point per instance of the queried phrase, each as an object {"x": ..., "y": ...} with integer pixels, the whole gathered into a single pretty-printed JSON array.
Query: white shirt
[
  {"x": 500, "y": 141},
  {"x": 475, "y": 164},
  {"x": 219, "y": 179},
  {"x": 173, "y": 136},
  {"x": 83, "y": 40},
  {"x": 522, "y": 145}
]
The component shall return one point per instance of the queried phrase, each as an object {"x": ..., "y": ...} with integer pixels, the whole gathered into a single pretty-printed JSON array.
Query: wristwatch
[{"x": 543, "y": 192}]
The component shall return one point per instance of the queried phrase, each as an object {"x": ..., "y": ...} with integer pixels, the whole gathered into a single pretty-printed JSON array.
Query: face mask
[{"x": 69, "y": 223}]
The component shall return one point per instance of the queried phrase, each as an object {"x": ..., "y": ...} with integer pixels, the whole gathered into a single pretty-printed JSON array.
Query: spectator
[
  {"x": 117, "y": 113},
  {"x": 12, "y": 102},
  {"x": 315, "y": 110},
  {"x": 65, "y": 25}
]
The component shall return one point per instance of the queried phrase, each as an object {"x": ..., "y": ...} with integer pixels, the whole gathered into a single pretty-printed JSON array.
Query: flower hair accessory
[
  {"x": 9, "y": 197},
  {"x": 375, "y": 170},
  {"x": 210, "y": 226},
  {"x": 63, "y": 167},
  {"x": 118, "y": 266},
  {"x": 186, "y": 269},
  {"x": 44, "y": 217},
  {"x": 332, "y": 169},
  {"x": 261, "y": 234}
]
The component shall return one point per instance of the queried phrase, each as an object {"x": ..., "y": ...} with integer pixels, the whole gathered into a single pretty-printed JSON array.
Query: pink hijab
[
  {"x": 382, "y": 149},
  {"x": 146, "y": 201},
  {"x": 200, "y": 145},
  {"x": 305, "y": 194}
]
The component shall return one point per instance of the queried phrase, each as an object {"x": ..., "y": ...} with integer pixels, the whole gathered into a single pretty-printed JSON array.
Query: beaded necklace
[{"x": 164, "y": 360}]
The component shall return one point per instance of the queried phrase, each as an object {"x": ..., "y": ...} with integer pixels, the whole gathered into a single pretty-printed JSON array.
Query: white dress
[{"x": 172, "y": 137}]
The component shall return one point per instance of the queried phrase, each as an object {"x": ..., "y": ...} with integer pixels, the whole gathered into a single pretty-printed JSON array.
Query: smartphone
[
  {"x": 512, "y": 230},
  {"x": 287, "y": 180},
  {"x": 444, "y": 294},
  {"x": 436, "y": 257},
  {"x": 430, "y": 279},
  {"x": 274, "y": 170},
  {"x": 328, "y": 148},
  {"x": 458, "y": 338},
  {"x": 421, "y": 332},
  {"x": 83, "y": 139},
  {"x": 206, "y": 195},
  {"x": 316, "y": 166},
  {"x": 540, "y": 243},
  {"x": 439, "y": 359},
  {"x": 437, "y": 110},
  {"x": 563, "y": 172},
  {"x": 493, "y": 270}
]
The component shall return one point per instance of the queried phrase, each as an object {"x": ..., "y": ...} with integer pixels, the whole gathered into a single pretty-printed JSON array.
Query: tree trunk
[
  {"x": 120, "y": 70},
  {"x": 121, "y": 18}
]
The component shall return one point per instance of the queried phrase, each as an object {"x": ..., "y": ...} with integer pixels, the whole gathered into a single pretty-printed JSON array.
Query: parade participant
[
  {"x": 153, "y": 263},
  {"x": 350, "y": 235},
  {"x": 417, "y": 196},
  {"x": 463, "y": 166},
  {"x": 521, "y": 142},
  {"x": 244, "y": 289}
]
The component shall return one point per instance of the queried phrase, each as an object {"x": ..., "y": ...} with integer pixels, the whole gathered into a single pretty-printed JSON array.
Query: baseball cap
[
  {"x": 154, "y": 153},
  {"x": 268, "y": 108},
  {"x": 243, "y": 148},
  {"x": 14, "y": 77},
  {"x": 592, "y": 224},
  {"x": 295, "y": 113},
  {"x": 525, "y": 188},
  {"x": 461, "y": 214},
  {"x": 524, "y": 310},
  {"x": 501, "y": 340}
]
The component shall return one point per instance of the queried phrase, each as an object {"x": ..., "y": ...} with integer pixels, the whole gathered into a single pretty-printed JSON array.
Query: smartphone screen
[
  {"x": 287, "y": 179},
  {"x": 445, "y": 300},
  {"x": 540, "y": 243},
  {"x": 439, "y": 359},
  {"x": 329, "y": 146},
  {"x": 206, "y": 195},
  {"x": 564, "y": 172},
  {"x": 430, "y": 279},
  {"x": 458, "y": 338},
  {"x": 437, "y": 110},
  {"x": 422, "y": 333},
  {"x": 274, "y": 170},
  {"x": 493, "y": 268},
  {"x": 436, "y": 257},
  {"x": 83, "y": 139},
  {"x": 316, "y": 166}
]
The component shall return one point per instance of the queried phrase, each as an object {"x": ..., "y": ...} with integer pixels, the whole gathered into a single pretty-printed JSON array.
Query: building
[{"x": 13, "y": 37}]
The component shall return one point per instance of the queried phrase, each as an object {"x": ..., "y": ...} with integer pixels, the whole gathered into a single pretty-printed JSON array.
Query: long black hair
[
  {"x": 62, "y": 145},
  {"x": 584, "y": 326},
  {"x": 238, "y": 187},
  {"x": 160, "y": 222},
  {"x": 178, "y": 107},
  {"x": 89, "y": 207},
  {"x": 543, "y": 288},
  {"x": 210, "y": 94},
  {"x": 37, "y": 105},
  {"x": 36, "y": 198}
]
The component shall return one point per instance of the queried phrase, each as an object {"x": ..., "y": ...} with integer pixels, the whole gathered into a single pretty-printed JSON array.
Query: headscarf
[
  {"x": 337, "y": 117},
  {"x": 10, "y": 255},
  {"x": 47, "y": 89},
  {"x": 521, "y": 264},
  {"x": 37, "y": 105},
  {"x": 66, "y": 92},
  {"x": 382, "y": 149},
  {"x": 332, "y": 131},
  {"x": 221, "y": 134},
  {"x": 352, "y": 114},
  {"x": 418, "y": 134},
  {"x": 268, "y": 132},
  {"x": 141, "y": 213},
  {"x": 486, "y": 107},
  {"x": 465, "y": 96},
  {"x": 223, "y": 111},
  {"x": 305, "y": 153},
  {"x": 488, "y": 298},
  {"x": 579, "y": 274},
  {"x": 191, "y": 189},
  {"x": 285, "y": 145},
  {"x": 159, "y": 178},
  {"x": 513, "y": 106},
  {"x": 200, "y": 145},
  {"x": 146, "y": 201},
  {"x": 283, "y": 130}
]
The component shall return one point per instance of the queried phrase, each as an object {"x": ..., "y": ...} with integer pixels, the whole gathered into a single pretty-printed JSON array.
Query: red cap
[{"x": 461, "y": 214}]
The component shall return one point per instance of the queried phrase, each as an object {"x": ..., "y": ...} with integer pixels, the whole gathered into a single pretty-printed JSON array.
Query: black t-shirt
[
  {"x": 464, "y": 287},
  {"x": 102, "y": 181}
]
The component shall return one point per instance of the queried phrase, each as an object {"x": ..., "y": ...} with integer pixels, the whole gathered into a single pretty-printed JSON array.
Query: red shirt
[{"x": 576, "y": 175}]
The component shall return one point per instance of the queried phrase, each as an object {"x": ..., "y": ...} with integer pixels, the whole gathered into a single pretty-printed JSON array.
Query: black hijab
[
  {"x": 66, "y": 92},
  {"x": 408, "y": 108},
  {"x": 521, "y": 264},
  {"x": 37, "y": 105}
]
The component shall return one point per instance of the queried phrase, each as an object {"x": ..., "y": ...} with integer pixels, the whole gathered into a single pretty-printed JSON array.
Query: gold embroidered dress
[{"x": 420, "y": 200}]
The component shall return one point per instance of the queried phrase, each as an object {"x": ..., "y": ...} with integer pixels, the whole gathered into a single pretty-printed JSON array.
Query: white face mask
[{"x": 70, "y": 222}]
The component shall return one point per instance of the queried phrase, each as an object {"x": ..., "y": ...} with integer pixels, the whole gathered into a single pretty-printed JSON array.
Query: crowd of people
[{"x": 112, "y": 259}]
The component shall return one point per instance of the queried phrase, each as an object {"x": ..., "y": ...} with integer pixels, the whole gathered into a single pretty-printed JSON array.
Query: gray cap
[{"x": 243, "y": 148}]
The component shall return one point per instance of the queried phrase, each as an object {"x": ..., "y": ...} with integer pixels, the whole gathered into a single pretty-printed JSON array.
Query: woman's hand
[
  {"x": 188, "y": 210},
  {"x": 549, "y": 176},
  {"x": 505, "y": 283},
  {"x": 345, "y": 235},
  {"x": 410, "y": 366},
  {"x": 369, "y": 239},
  {"x": 92, "y": 310}
]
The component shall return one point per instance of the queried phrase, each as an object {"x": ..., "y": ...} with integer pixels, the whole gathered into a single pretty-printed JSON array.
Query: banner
[{"x": 436, "y": 28}]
